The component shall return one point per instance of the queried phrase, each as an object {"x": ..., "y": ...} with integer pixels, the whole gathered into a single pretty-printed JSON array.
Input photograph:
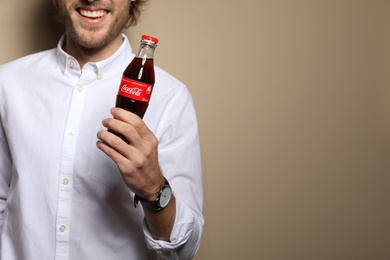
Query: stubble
[{"x": 95, "y": 37}]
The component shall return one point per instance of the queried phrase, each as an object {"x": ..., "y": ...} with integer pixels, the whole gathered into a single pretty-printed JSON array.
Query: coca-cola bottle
[{"x": 138, "y": 79}]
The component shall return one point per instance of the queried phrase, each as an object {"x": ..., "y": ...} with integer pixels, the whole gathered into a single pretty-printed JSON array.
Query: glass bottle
[{"x": 138, "y": 79}]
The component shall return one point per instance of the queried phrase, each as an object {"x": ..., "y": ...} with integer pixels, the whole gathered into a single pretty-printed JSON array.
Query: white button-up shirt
[{"x": 63, "y": 198}]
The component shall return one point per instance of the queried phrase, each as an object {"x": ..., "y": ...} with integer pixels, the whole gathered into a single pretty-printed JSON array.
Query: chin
[{"x": 92, "y": 40}]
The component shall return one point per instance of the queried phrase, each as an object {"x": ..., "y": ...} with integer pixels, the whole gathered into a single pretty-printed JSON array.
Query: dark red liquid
[
  {"x": 141, "y": 70},
  {"x": 132, "y": 105}
]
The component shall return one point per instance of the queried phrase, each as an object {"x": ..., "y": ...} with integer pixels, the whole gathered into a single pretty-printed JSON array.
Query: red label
[{"x": 135, "y": 89}]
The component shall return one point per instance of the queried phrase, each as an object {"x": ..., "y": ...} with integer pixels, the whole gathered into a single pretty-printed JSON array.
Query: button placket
[{"x": 67, "y": 165}]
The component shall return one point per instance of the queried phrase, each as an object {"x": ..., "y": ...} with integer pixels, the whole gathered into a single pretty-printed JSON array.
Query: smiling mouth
[{"x": 93, "y": 14}]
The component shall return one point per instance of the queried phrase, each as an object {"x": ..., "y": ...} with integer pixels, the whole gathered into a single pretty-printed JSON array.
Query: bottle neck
[{"x": 146, "y": 50}]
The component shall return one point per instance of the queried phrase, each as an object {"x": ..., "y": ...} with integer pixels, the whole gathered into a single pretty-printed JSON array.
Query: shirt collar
[{"x": 122, "y": 56}]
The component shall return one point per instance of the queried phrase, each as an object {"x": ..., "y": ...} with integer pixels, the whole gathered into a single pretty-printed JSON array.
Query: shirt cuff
[{"x": 182, "y": 229}]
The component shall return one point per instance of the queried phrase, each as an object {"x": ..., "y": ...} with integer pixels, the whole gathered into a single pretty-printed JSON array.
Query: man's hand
[
  {"x": 138, "y": 163},
  {"x": 138, "y": 160}
]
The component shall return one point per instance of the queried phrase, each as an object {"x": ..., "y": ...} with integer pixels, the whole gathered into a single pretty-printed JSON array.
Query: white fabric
[{"x": 63, "y": 198}]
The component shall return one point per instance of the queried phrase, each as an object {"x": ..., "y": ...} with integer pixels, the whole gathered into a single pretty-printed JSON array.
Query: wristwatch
[{"x": 160, "y": 203}]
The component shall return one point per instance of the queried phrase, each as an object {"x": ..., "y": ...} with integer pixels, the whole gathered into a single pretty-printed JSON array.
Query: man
[{"x": 67, "y": 184}]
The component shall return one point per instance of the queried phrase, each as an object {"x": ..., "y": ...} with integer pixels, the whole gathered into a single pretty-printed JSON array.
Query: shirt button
[
  {"x": 100, "y": 76},
  {"x": 65, "y": 181},
  {"x": 71, "y": 64},
  {"x": 62, "y": 228},
  {"x": 71, "y": 133},
  {"x": 80, "y": 88}
]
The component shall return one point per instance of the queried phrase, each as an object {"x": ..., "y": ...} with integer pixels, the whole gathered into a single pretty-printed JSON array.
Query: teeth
[{"x": 93, "y": 14}]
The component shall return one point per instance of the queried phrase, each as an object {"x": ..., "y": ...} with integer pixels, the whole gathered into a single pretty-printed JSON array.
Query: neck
[{"x": 84, "y": 55}]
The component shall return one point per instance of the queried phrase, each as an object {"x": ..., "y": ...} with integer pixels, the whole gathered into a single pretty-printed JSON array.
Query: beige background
[{"x": 293, "y": 104}]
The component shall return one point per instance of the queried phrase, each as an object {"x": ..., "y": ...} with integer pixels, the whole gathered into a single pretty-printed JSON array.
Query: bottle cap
[{"x": 150, "y": 38}]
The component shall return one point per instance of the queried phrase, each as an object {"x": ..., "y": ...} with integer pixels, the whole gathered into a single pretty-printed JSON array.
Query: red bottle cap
[{"x": 149, "y": 38}]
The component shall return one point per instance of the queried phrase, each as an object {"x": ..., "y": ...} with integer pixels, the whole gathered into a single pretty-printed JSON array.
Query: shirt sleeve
[
  {"x": 5, "y": 172},
  {"x": 184, "y": 237},
  {"x": 180, "y": 162}
]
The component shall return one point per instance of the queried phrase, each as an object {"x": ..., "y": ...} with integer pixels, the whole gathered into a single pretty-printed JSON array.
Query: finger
[
  {"x": 132, "y": 119},
  {"x": 126, "y": 157},
  {"x": 114, "y": 154},
  {"x": 125, "y": 130},
  {"x": 114, "y": 146}
]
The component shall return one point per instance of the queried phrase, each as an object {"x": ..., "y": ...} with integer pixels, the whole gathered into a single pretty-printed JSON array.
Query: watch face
[{"x": 165, "y": 197}]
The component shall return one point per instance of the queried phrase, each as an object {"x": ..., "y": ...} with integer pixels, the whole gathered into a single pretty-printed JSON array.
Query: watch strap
[{"x": 151, "y": 205}]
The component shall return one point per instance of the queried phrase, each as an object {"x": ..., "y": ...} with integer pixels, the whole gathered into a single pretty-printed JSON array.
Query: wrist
[{"x": 162, "y": 199}]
